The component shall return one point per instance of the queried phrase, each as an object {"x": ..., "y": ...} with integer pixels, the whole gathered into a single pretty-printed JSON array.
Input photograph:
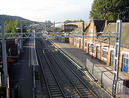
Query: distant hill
[
  {"x": 11, "y": 17},
  {"x": 8, "y": 17}
]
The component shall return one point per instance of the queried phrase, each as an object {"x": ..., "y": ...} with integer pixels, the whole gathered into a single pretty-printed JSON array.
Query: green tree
[
  {"x": 68, "y": 21},
  {"x": 110, "y": 9},
  {"x": 11, "y": 26}
]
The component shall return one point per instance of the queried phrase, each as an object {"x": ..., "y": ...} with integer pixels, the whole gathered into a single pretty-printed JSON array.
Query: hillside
[{"x": 8, "y": 17}]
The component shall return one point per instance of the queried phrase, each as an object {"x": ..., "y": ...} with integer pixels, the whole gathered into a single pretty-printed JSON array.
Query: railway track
[
  {"x": 52, "y": 86},
  {"x": 61, "y": 79}
]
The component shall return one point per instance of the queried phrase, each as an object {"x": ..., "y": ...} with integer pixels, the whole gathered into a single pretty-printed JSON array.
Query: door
[
  {"x": 92, "y": 48},
  {"x": 97, "y": 52},
  {"x": 125, "y": 64},
  {"x": 89, "y": 48},
  {"x": 79, "y": 43},
  {"x": 111, "y": 58}
]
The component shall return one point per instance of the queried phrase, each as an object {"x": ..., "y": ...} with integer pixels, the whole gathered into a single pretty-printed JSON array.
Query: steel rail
[
  {"x": 48, "y": 64},
  {"x": 76, "y": 89},
  {"x": 54, "y": 76},
  {"x": 44, "y": 77},
  {"x": 59, "y": 59},
  {"x": 78, "y": 77},
  {"x": 50, "y": 59}
]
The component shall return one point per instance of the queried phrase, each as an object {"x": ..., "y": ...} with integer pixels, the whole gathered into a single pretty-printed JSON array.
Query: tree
[
  {"x": 110, "y": 10},
  {"x": 11, "y": 26},
  {"x": 68, "y": 21}
]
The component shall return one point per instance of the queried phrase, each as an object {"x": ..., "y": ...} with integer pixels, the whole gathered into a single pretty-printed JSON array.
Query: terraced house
[{"x": 103, "y": 48}]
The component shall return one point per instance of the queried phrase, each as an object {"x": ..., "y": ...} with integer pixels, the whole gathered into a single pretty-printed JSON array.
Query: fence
[{"x": 105, "y": 78}]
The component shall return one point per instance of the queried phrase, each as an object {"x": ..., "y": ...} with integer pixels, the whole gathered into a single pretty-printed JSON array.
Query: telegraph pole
[{"x": 117, "y": 56}]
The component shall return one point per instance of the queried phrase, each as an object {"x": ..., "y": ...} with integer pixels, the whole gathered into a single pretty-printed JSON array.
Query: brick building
[
  {"x": 69, "y": 27},
  {"x": 104, "y": 48}
]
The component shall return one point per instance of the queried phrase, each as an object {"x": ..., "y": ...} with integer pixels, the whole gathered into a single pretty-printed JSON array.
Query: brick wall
[{"x": 101, "y": 45}]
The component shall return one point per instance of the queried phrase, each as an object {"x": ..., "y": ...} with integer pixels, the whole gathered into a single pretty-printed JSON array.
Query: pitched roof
[
  {"x": 99, "y": 25},
  {"x": 112, "y": 28}
]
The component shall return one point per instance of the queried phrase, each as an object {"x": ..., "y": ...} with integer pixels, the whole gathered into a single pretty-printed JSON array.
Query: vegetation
[
  {"x": 110, "y": 10},
  {"x": 11, "y": 26},
  {"x": 68, "y": 21},
  {"x": 13, "y": 22}
]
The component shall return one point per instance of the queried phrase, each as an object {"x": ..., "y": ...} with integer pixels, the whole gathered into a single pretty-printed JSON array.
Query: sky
[{"x": 53, "y": 10}]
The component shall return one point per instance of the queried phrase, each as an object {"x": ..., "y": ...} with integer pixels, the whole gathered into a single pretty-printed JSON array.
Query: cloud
[{"x": 41, "y": 10}]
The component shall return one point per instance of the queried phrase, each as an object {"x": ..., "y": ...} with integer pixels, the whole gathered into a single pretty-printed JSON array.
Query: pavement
[{"x": 98, "y": 69}]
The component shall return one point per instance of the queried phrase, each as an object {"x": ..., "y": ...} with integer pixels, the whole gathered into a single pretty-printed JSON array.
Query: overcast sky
[{"x": 41, "y": 10}]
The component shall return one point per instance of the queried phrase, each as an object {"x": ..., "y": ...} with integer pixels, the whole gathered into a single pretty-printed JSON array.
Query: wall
[{"x": 101, "y": 45}]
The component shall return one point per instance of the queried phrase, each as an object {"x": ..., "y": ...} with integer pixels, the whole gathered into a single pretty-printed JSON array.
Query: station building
[
  {"x": 103, "y": 48},
  {"x": 74, "y": 26}
]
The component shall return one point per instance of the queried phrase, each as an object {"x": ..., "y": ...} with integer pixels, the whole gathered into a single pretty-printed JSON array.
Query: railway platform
[
  {"x": 98, "y": 70},
  {"x": 22, "y": 74}
]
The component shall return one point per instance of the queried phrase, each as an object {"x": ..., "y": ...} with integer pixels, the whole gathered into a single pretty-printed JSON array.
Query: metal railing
[{"x": 105, "y": 78}]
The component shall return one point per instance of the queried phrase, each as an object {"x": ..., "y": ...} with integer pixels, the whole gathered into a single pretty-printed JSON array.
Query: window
[
  {"x": 85, "y": 43},
  {"x": 104, "y": 54},
  {"x": 91, "y": 48},
  {"x": 125, "y": 63}
]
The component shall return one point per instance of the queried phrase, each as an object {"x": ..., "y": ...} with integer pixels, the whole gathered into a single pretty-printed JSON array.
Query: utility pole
[
  {"x": 34, "y": 39},
  {"x": 4, "y": 59},
  {"x": 21, "y": 32},
  {"x": 4, "y": 56},
  {"x": 117, "y": 56}
]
